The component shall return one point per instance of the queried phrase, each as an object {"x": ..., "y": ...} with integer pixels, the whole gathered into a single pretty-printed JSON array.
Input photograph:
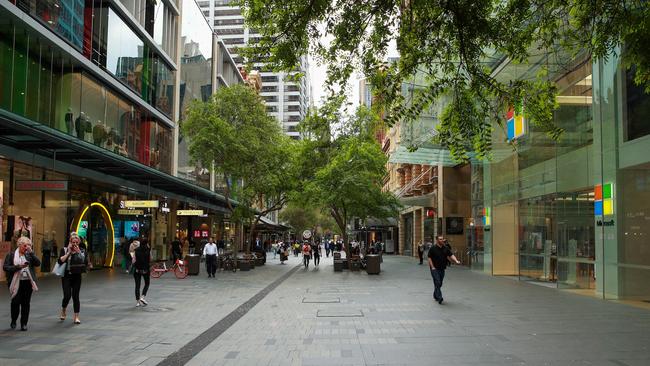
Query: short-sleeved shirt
[{"x": 439, "y": 256}]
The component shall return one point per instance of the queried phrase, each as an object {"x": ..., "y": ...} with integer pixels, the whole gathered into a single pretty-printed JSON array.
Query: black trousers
[
  {"x": 420, "y": 254},
  {"x": 316, "y": 259},
  {"x": 138, "y": 280},
  {"x": 20, "y": 302},
  {"x": 211, "y": 264},
  {"x": 71, "y": 284}
]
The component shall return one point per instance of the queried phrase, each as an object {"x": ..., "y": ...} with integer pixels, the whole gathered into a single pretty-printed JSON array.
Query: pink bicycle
[{"x": 179, "y": 268}]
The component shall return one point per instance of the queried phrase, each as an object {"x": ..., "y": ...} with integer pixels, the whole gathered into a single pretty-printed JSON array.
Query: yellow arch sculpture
[{"x": 111, "y": 230}]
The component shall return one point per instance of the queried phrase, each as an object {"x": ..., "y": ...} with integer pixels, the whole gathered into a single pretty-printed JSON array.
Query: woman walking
[
  {"x": 316, "y": 249},
  {"x": 77, "y": 263},
  {"x": 141, "y": 263},
  {"x": 21, "y": 277},
  {"x": 306, "y": 254}
]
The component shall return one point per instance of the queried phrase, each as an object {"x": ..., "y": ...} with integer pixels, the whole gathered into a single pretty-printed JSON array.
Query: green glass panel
[
  {"x": 607, "y": 190},
  {"x": 6, "y": 65},
  {"x": 19, "y": 75}
]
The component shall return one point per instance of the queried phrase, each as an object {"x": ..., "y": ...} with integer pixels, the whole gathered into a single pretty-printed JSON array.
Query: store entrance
[{"x": 95, "y": 227}]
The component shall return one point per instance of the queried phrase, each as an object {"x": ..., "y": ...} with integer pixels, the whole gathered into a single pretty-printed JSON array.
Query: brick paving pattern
[{"x": 319, "y": 317}]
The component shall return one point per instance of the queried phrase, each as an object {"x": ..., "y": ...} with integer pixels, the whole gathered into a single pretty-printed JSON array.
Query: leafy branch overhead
[{"x": 455, "y": 44}]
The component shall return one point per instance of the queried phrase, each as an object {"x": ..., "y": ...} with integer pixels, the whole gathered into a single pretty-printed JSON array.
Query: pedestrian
[
  {"x": 420, "y": 251},
  {"x": 76, "y": 259},
  {"x": 306, "y": 254},
  {"x": 141, "y": 265},
  {"x": 274, "y": 249},
  {"x": 210, "y": 252},
  {"x": 284, "y": 254},
  {"x": 316, "y": 249},
  {"x": 126, "y": 256},
  {"x": 21, "y": 278},
  {"x": 191, "y": 245},
  {"x": 438, "y": 257},
  {"x": 177, "y": 250}
]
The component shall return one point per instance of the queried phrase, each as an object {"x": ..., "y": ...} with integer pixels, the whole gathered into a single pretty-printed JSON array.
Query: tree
[
  {"x": 307, "y": 217},
  {"x": 232, "y": 133},
  {"x": 455, "y": 43},
  {"x": 343, "y": 175}
]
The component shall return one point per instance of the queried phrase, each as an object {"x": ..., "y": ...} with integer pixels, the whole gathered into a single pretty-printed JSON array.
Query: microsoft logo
[
  {"x": 515, "y": 121},
  {"x": 604, "y": 199}
]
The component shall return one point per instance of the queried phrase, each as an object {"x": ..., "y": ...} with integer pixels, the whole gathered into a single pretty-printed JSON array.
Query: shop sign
[
  {"x": 189, "y": 212},
  {"x": 515, "y": 121},
  {"x": 42, "y": 185},
  {"x": 61, "y": 203},
  {"x": 141, "y": 204},
  {"x": 165, "y": 207},
  {"x": 604, "y": 199},
  {"x": 130, "y": 212}
]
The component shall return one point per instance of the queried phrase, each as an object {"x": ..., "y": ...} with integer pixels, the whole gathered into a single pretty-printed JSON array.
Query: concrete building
[{"x": 286, "y": 100}]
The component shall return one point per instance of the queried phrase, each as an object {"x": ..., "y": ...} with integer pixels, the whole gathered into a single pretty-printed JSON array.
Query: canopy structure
[{"x": 423, "y": 155}]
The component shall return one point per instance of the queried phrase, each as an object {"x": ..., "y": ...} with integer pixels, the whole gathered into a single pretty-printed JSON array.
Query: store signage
[
  {"x": 306, "y": 234},
  {"x": 141, "y": 204},
  {"x": 515, "y": 121},
  {"x": 130, "y": 212},
  {"x": 165, "y": 207},
  {"x": 41, "y": 185},
  {"x": 486, "y": 216},
  {"x": 189, "y": 212},
  {"x": 604, "y": 199},
  {"x": 61, "y": 203}
]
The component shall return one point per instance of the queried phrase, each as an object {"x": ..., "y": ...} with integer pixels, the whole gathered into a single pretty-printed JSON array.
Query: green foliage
[
  {"x": 307, "y": 217},
  {"x": 233, "y": 130},
  {"x": 456, "y": 44},
  {"x": 342, "y": 174}
]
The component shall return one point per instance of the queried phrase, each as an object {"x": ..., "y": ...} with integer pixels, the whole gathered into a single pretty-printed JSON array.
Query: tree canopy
[
  {"x": 343, "y": 172},
  {"x": 233, "y": 134},
  {"x": 456, "y": 44}
]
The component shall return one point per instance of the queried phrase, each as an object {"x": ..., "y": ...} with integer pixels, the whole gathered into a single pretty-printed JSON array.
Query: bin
[
  {"x": 243, "y": 265},
  {"x": 338, "y": 265},
  {"x": 193, "y": 264},
  {"x": 373, "y": 263}
]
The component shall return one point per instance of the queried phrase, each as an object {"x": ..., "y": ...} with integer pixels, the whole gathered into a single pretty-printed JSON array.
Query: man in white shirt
[{"x": 210, "y": 252}]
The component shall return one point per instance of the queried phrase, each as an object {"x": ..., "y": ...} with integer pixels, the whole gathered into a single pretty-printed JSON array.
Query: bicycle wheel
[
  {"x": 180, "y": 271},
  {"x": 157, "y": 270}
]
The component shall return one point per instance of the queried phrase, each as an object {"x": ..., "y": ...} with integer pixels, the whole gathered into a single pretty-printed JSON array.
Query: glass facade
[
  {"x": 44, "y": 84},
  {"x": 196, "y": 74},
  {"x": 570, "y": 212}
]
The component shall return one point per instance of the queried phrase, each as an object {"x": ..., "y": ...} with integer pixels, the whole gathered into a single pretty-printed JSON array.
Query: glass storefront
[
  {"x": 571, "y": 212},
  {"x": 48, "y": 87}
]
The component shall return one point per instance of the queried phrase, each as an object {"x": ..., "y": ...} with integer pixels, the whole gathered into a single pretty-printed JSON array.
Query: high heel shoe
[{"x": 62, "y": 315}]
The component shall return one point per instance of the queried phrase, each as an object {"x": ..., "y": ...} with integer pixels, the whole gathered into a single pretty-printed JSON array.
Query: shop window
[
  {"x": 66, "y": 18},
  {"x": 636, "y": 108}
]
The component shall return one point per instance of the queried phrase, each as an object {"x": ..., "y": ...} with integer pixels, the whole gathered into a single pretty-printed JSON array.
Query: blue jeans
[{"x": 438, "y": 275}]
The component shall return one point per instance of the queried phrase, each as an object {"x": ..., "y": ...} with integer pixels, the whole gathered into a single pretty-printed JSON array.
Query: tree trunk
[{"x": 252, "y": 232}]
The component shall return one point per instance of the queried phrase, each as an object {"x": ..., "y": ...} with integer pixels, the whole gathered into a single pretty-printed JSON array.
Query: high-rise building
[{"x": 286, "y": 100}]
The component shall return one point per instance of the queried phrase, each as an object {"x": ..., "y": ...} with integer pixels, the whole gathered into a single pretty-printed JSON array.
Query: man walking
[
  {"x": 438, "y": 257},
  {"x": 210, "y": 253}
]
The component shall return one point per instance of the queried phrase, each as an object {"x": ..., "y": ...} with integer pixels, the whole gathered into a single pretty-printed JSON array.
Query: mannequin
[
  {"x": 80, "y": 126},
  {"x": 69, "y": 121}
]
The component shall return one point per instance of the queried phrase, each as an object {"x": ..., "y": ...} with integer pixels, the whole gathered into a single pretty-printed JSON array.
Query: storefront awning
[
  {"x": 423, "y": 155},
  {"x": 24, "y": 140}
]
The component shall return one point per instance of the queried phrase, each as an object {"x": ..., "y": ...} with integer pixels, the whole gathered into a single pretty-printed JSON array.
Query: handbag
[{"x": 59, "y": 269}]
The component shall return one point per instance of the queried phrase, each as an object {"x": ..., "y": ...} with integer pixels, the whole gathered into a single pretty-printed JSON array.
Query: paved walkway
[{"x": 318, "y": 317}]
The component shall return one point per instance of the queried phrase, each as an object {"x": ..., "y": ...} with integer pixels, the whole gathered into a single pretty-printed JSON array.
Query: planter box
[{"x": 338, "y": 265}]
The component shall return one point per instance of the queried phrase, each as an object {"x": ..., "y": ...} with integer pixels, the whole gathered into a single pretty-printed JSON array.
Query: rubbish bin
[
  {"x": 193, "y": 264},
  {"x": 373, "y": 263},
  {"x": 338, "y": 265}
]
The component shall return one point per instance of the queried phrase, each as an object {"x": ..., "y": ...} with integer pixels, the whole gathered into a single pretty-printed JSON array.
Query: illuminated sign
[
  {"x": 130, "y": 212},
  {"x": 141, "y": 204},
  {"x": 41, "y": 185},
  {"x": 515, "y": 121},
  {"x": 604, "y": 199},
  {"x": 486, "y": 216},
  {"x": 189, "y": 212}
]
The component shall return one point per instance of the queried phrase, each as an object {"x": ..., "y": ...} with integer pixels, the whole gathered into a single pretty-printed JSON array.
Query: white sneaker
[
  {"x": 137, "y": 304},
  {"x": 143, "y": 301}
]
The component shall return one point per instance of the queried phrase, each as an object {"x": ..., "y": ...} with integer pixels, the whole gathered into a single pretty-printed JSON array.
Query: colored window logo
[
  {"x": 486, "y": 216},
  {"x": 604, "y": 199},
  {"x": 515, "y": 121}
]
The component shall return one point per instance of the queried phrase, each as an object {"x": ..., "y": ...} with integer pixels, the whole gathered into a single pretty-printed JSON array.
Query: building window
[
  {"x": 233, "y": 40},
  {"x": 292, "y": 88},
  {"x": 67, "y": 21},
  {"x": 227, "y": 12},
  {"x": 269, "y": 89},
  {"x": 636, "y": 106},
  {"x": 218, "y": 22},
  {"x": 270, "y": 98},
  {"x": 292, "y": 98},
  {"x": 271, "y": 108},
  {"x": 269, "y": 79}
]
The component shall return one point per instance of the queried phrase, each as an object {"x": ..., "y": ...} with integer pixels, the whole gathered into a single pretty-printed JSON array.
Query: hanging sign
[
  {"x": 130, "y": 212},
  {"x": 41, "y": 185},
  {"x": 141, "y": 204},
  {"x": 189, "y": 212}
]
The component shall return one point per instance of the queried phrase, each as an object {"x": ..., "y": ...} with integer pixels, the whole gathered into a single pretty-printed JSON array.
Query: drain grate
[
  {"x": 321, "y": 300},
  {"x": 152, "y": 309},
  {"x": 339, "y": 313}
]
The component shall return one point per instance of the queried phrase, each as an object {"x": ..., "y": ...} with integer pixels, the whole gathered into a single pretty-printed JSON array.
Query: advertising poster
[
  {"x": 83, "y": 229},
  {"x": 23, "y": 227},
  {"x": 131, "y": 229},
  {"x": 118, "y": 230}
]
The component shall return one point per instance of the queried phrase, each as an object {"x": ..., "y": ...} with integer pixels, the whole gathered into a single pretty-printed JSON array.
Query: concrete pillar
[
  {"x": 401, "y": 230},
  {"x": 418, "y": 229}
]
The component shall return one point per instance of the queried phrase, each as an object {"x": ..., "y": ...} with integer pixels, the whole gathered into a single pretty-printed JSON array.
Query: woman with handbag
[
  {"x": 75, "y": 259},
  {"x": 141, "y": 262},
  {"x": 21, "y": 278}
]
